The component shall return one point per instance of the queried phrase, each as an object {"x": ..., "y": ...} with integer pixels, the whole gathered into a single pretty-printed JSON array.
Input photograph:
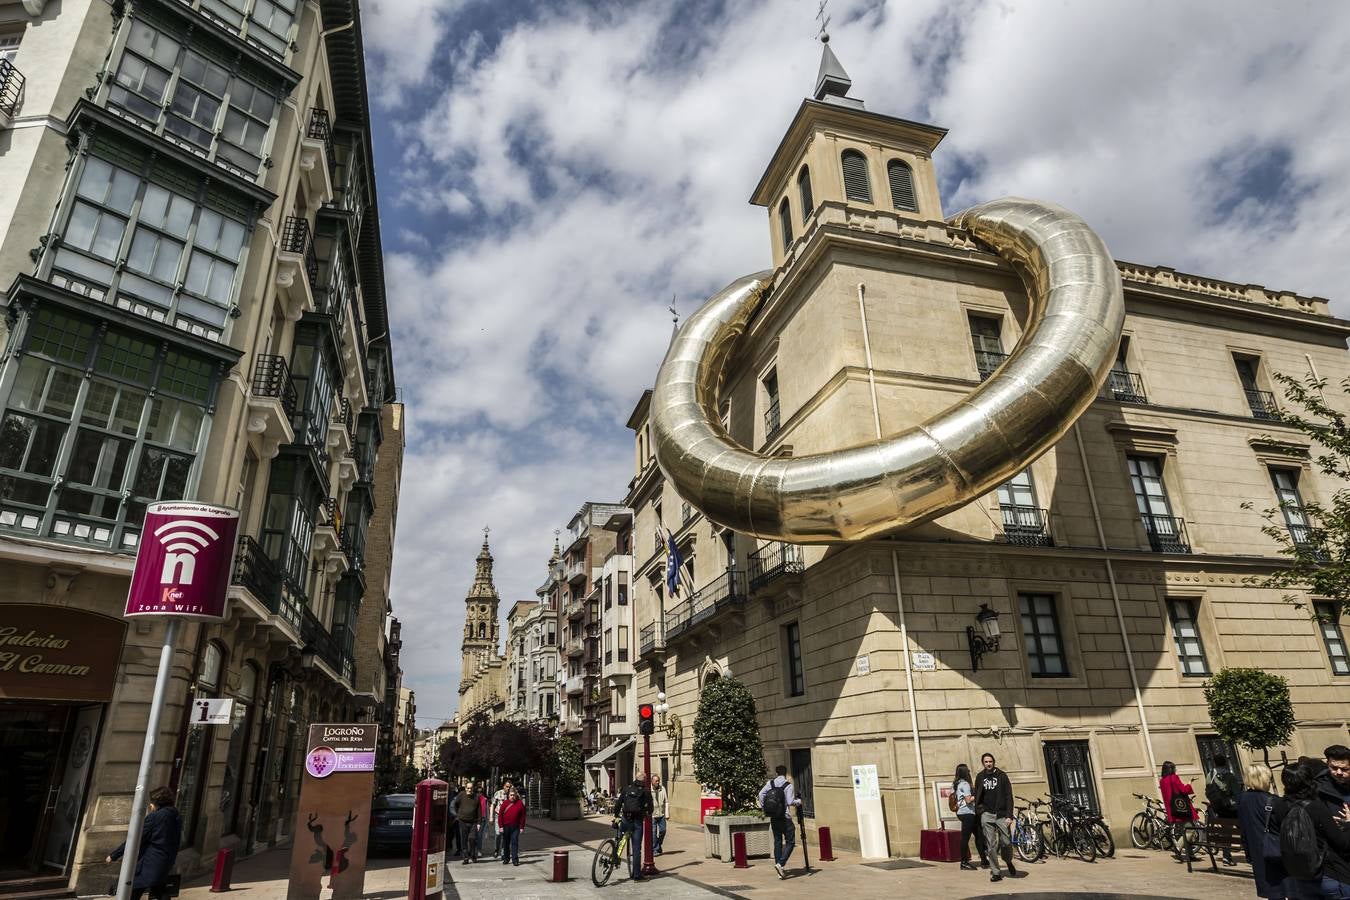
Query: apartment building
[
  {"x": 405, "y": 726},
  {"x": 191, "y": 267},
  {"x": 618, "y": 637},
  {"x": 1116, "y": 566}
]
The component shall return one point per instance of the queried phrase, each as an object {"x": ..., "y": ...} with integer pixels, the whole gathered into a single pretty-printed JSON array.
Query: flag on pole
[{"x": 673, "y": 565}]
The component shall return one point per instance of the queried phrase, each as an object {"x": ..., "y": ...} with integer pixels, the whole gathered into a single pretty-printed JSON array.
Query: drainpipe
[
  {"x": 909, "y": 688},
  {"x": 1115, "y": 600},
  {"x": 867, "y": 352}
]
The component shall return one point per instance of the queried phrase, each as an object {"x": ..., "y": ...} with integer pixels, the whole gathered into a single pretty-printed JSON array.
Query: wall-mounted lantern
[{"x": 983, "y": 635}]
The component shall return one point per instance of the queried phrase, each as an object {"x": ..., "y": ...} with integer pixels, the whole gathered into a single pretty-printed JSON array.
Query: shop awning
[{"x": 609, "y": 752}]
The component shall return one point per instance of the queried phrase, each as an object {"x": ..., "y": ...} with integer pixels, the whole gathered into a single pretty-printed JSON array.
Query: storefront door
[{"x": 34, "y": 738}]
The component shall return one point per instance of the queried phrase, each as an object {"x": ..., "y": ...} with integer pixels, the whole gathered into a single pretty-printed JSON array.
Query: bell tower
[{"x": 480, "y": 619}]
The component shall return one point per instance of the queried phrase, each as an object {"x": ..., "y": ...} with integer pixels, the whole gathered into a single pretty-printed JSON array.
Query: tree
[
  {"x": 1250, "y": 707},
  {"x": 1318, "y": 552},
  {"x": 568, "y": 772},
  {"x": 728, "y": 755}
]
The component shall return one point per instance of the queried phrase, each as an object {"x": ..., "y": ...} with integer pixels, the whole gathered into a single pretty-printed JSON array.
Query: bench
[{"x": 1216, "y": 835}]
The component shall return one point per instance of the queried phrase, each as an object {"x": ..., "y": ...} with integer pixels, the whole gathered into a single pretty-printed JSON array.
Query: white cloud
[{"x": 589, "y": 170}]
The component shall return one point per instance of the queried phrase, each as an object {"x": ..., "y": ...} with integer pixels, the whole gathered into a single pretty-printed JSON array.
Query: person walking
[
  {"x": 1222, "y": 788},
  {"x": 498, "y": 799},
  {"x": 1314, "y": 842},
  {"x": 470, "y": 816},
  {"x": 484, "y": 805},
  {"x": 970, "y": 820},
  {"x": 454, "y": 847},
  {"x": 1259, "y": 813},
  {"x": 776, "y": 799},
  {"x": 660, "y": 808},
  {"x": 1177, "y": 803},
  {"x": 161, "y": 833},
  {"x": 632, "y": 806},
  {"x": 994, "y": 800},
  {"x": 1333, "y": 779},
  {"x": 511, "y": 823}
]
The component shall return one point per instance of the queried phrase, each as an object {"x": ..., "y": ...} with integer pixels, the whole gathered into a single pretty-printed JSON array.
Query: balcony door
[{"x": 1155, "y": 508}]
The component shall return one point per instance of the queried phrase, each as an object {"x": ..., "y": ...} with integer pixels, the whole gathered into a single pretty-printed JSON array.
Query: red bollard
[
  {"x": 823, "y": 840},
  {"x": 220, "y": 881},
  {"x": 559, "y": 865},
  {"x": 738, "y": 849}
]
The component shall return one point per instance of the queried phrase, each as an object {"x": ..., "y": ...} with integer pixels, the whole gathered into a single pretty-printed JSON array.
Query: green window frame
[
  {"x": 1046, "y": 657},
  {"x": 97, "y": 423}
]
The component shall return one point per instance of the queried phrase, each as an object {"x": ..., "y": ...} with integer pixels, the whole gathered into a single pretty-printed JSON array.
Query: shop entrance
[{"x": 45, "y": 755}]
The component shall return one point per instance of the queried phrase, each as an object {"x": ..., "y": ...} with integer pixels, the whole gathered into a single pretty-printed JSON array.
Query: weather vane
[
  {"x": 486, "y": 529},
  {"x": 674, "y": 313},
  {"x": 823, "y": 36}
]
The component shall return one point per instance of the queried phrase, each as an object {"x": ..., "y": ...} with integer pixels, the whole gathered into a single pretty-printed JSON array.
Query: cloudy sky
[{"x": 552, "y": 173}]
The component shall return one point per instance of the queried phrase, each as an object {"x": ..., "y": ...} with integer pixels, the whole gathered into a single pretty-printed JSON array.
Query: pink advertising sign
[{"x": 184, "y": 561}]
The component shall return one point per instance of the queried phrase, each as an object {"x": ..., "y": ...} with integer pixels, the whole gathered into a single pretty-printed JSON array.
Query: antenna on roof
[{"x": 823, "y": 36}]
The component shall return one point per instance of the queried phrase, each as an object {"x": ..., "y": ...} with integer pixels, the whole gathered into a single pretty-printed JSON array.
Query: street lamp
[{"x": 985, "y": 640}]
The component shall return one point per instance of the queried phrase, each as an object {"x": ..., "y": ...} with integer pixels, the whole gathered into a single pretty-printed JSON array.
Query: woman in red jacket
[
  {"x": 511, "y": 820},
  {"x": 1176, "y": 795}
]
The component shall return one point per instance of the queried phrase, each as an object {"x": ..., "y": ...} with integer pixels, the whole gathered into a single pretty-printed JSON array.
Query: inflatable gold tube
[{"x": 863, "y": 492}]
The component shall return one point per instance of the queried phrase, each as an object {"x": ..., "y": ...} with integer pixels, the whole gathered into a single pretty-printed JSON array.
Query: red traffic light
[
  {"x": 646, "y": 722},
  {"x": 645, "y": 711}
]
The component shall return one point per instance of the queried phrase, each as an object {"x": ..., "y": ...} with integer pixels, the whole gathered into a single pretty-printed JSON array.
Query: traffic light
[{"x": 646, "y": 718}]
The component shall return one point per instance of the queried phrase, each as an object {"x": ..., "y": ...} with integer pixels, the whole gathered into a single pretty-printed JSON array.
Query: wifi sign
[{"x": 183, "y": 561}]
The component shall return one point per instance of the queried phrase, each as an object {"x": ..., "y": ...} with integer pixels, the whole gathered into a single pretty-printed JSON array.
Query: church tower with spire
[{"x": 480, "y": 620}]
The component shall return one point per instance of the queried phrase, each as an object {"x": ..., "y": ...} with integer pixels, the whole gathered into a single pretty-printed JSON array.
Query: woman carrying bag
[
  {"x": 1259, "y": 815},
  {"x": 1176, "y": 795}
]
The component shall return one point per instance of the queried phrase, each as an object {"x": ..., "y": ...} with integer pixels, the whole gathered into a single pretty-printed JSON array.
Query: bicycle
[
  {"x": 609, "y": 854},
  {"x": 1095, "y": 824},
  {"x": 1149, "y": 829},
  {"x": 1061, "y": 833},
  {"x": 1026, "y": 836}
]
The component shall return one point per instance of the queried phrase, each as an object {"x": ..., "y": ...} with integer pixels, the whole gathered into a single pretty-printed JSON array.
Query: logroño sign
[{"x": 184, "y": 561}]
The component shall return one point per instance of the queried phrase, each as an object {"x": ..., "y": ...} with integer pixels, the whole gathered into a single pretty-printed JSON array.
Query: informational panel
[
  {"x": 183, "y": 561},
  {"x": 208, "y": 711},
  {"x": 333, "y": 819},
  {"x": 942, "y": 791},
  {"x": 871, "y": 818},
  {"x": 426, "y": 863}
]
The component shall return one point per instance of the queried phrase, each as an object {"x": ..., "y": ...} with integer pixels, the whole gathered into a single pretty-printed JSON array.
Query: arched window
[
  {"x": 480, "y": 630},
  {"x": 804, "y": 189},
  {"x": 901, "y": 178},
  {"x": 785, "y": 222},
  {"x": 857, "y": 186}
]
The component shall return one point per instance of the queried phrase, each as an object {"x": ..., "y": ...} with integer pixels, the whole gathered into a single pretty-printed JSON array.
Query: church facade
[
  {"x": 482, "y": 680},
  {"x": 1118, "y": 565}
]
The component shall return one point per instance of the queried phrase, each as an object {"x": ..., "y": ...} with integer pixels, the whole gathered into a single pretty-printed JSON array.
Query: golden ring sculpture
[{"x": 1077, "y": 309}]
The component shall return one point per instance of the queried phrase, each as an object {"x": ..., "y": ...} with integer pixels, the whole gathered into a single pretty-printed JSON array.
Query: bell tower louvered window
[
  {"x": 902, "y": 186},
  {"x": 856, "y": 184},
  {"x": 785, "y": 222},
  {"x": 804, "y": 188}
]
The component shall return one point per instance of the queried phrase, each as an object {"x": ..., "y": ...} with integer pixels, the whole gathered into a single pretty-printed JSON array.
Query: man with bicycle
[
  {"x": 632, "y": 807},
  {"x": 994, "y": 800}
]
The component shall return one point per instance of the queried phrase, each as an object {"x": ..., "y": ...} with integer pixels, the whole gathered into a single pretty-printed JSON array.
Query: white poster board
[
  {"x": 206, "y": 711},
  {"x": 871, "y": 819},
  {"x": 941, "y": 791}
]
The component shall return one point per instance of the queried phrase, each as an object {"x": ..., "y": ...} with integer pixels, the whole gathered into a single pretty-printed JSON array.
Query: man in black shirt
[{"x": 994, "y": 800}]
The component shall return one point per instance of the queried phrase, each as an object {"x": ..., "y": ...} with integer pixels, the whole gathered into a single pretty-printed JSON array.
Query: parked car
[{"x": 391, "y": 822}]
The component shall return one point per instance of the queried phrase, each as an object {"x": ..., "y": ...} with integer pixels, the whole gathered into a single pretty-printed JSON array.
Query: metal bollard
[
  {"x": 823, "y": 839},
  {"x": 220, "y": 880},
  {"x": 559, "y": 865},
  {"x": 738, "y": 849}
]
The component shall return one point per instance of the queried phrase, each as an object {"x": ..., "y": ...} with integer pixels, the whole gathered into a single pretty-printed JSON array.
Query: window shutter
[
  {"x": 902, "y": 186},
  {"x": 785, "y": 222},
  {"x": 856, "y": 185},
  {"x": 804, "y": 188}
]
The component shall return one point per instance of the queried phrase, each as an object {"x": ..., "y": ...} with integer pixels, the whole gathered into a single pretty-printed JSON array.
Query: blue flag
[{"x": 673, "y": 564}]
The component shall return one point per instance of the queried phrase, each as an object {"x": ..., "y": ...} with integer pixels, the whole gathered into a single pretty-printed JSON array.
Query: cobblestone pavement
[{"x": 685, "y": 873}]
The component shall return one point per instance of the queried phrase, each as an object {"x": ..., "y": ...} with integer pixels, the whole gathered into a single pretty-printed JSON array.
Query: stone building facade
[
  {"x": 1118, "y": 563},
  {"x": 482, "y": 679},
  {"x": 191, "y": 274}
]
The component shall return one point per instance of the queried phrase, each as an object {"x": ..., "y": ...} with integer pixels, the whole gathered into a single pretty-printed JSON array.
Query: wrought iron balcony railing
[
  {"x": 255, "y": 571},
  {"x": 728, "y": 589},
  {"x": 649, "y": 638},
  {"x": 11, "y": 88},
  {"x": 1262, "y": 404},
  {"x": 348, "y": 418},
  {"x": 1026, "y": 525},
  {"x": 354, "y": 544},
  {"x": 986, "y": 361},
  {"x": 773, "y": 561},
  {"x": 297, "y": 237},
  {"x": 771, "y": 420},
  {"x": 320, "y": 129},
  {"x": 272, "y": 378},
  {"x": 326, "y": 645},
  {"x": 1166, "y": 534},
  {"x": 1126, "y": 386}
]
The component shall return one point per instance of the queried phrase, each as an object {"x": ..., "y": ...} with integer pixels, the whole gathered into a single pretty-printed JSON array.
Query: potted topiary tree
[
  {"x": 1250, "y": 707},
  {"x": 729, "y": 758},
  {"x": 567, "y": 779}
]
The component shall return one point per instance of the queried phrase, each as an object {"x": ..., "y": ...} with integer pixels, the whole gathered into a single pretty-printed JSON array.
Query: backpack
[
  {"x": 1300, "y": 850},
  {"x": 775, "y": 802},
  {"x": 630, "y": 803},
  {"x": 1219, "y": 793},
  {"x": 952, "y": 802}
]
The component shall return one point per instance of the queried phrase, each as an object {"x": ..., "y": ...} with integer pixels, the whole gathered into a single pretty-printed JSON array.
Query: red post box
[{"x": 426, "y": 867}]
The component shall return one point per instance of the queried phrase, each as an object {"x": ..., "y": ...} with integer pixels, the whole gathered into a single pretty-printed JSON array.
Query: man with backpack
[
  {"x": 1222, "y": 786},
  {"x": 632, "y": 806},
  {"x": 1314, "y": 843},
  {"x": 777, "y": 798}
]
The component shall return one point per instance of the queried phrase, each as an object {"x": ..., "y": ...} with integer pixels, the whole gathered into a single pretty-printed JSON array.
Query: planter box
[
  {"x": 566, "y": 809},
  {"x": 717, "y": 832}
]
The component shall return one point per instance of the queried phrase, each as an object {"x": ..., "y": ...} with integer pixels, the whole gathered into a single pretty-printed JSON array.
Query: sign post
[
  {"x": 182, "y": 571},
  {"x": 426, "y": 868},
  {"x": 334, "y": 810}
]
